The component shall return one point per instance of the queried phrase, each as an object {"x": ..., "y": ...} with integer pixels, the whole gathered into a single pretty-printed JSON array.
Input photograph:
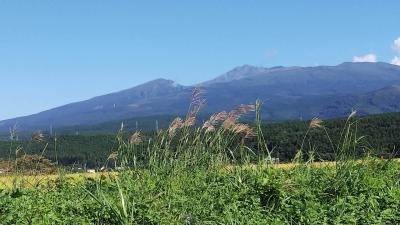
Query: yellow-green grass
[
  {"x": 283, "y": 166},
  {"x": 29, "y": 181},
  {"x": 287, "y": 166}
]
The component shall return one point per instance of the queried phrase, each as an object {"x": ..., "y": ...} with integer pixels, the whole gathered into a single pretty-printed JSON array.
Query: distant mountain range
[{"x": 288, "y": 93}]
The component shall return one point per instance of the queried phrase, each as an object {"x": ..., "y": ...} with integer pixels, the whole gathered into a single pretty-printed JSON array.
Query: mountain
[
  {"x": 245, "y": 71},
  {"x": 287, "y": 92},
  {"x": 153, "y": 98},
  {"x": 304, "y": 92}
]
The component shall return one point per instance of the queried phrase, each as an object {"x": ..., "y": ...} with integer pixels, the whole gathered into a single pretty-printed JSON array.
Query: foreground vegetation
[
  {"x": 221, "y": 172},
  {"x": 363, "y": 194}
]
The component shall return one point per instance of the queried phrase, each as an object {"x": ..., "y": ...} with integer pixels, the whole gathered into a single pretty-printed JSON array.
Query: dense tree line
[
  {"x": 64, "y": 149},
  {"x": 380, "y": 137}
]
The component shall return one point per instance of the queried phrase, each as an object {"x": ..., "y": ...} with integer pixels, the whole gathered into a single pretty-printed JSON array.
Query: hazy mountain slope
[
  {"x": 152, "y": 98},
  {"x": 386, "y": 99}
]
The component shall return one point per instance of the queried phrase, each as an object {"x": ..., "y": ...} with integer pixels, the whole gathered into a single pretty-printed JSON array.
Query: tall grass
[
  {"x": 218, "y": 141},
  {"x": 206, "y": 173},
  {"x": 24, "y": 169},
  {"x": 186, "y": 150}
]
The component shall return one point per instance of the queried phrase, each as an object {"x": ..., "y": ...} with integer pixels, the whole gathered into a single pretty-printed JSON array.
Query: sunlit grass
[
  {"x": 29, "y": 181},
  {"x": 49, "y": 180}
]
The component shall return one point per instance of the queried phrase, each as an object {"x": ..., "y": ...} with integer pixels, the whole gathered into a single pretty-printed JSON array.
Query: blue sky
[{"x": 57, "y": 52}]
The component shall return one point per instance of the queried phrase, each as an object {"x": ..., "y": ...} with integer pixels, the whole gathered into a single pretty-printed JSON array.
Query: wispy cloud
[
  {"x": 396, "y": 47},
  {"x": 395, "y": 61},
  {"x": 365, "y": 58},
  {"x": 396, "y": 44}
]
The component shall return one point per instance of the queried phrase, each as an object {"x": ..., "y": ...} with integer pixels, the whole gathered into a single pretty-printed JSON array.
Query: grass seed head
[
  {"x": 37, "y": 137},
  {"x": 250, "y": 133},
  {"x": 197, "y": 102},
  {"x": 190, "y": 121},
  {"x": 352, "y": 114},
  {"x": 244, "y": 109},
  {"x": 229, "y": 122},
  {"x": 113, "y": 156},
  {"x": 174, "y": 126},
  {"x": 208, "y": 126},
  {"x": 13, "y": 132},
  {"x": 196, "y": 94},
  {"x": 235, "y": 114},
  {"x": 210, "y": 129},
  {"x": 316, "y": 123},
  {"x": 18, "y": 150},
  {"x": 243, "y": 129},
  {"x": 136, "y": 138},
  {"x": 220, "y": 116}
]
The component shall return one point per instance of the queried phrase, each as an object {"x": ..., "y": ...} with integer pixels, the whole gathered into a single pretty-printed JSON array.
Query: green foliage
[
  {"x": 282, "y": 139},
  {"x": 66, "y": 149},
  {"x": 367, "y": 194},
  {"x": 193, "y": 175},
  {"x": 66, "y": 205},
  {"x": 34, "y": 164},
  {"x": 380, "y": 134}
]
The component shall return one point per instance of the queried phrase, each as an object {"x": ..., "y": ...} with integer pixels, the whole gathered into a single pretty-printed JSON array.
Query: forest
[{"x": 379, "y": 137}]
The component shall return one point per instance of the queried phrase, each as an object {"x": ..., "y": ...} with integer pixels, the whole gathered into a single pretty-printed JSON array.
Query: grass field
[
  {"x": 207, "y": 175},
  {"x": 29, "y": 181},
  {"x": 47, "y": 180},
  {"x": 363, "y": 193}
]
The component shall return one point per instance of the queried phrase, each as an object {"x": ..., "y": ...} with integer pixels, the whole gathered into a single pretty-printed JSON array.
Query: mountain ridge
[{"x": 289, "y": 93}]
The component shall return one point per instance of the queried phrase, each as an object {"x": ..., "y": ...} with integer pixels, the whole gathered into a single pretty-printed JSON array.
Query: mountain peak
[
  {"x": 245, "y": 69},
  {"x": 158, "y": 83},
  {"x": 237, "y": 73},
  {"x": 150, "y": 89}
]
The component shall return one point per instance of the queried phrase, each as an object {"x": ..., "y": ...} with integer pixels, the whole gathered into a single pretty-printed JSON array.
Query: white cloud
[
  {"x": 365, "y": 58},
  {"x": 395, "y": 61},
  {"x": 396, "y": 44}
]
